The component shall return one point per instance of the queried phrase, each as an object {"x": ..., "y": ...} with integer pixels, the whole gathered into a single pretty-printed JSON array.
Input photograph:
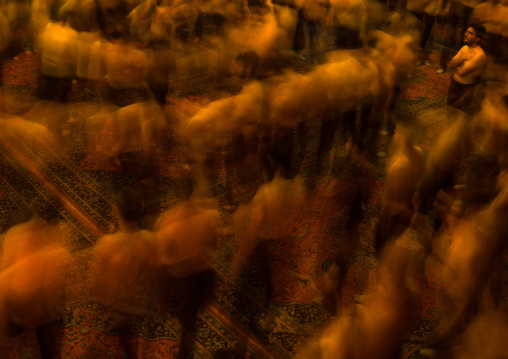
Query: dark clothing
[
  {"x": 428, "y": 21},
  {"x": 54, "y": 88},
  {"x": 347, "y": 39},
  {"x": 122, "y": 97},
  {"x": 460, "y": 95}
]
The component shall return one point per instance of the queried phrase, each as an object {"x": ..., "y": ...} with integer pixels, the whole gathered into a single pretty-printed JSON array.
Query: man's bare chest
[{"x": 470, "y": 53}]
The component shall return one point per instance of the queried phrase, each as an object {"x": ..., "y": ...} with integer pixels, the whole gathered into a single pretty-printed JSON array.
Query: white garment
[{"x": 59, "y": 51}]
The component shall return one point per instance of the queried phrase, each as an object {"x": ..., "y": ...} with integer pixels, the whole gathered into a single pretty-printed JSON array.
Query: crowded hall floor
[{"x": 252, "y": 179}]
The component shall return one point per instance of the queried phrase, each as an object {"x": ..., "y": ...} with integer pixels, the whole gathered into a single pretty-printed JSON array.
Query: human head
[{"x": 474, "y": 34}]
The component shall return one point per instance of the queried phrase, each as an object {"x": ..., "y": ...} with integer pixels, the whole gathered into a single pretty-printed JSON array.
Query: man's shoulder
[
  {"x": 480, "y": 53},
  {"x": 464, "y": 49},
  {"x": 477, "y": 50}
]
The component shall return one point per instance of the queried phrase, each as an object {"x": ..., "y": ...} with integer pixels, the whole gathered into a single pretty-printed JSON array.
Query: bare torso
[{"x": 474, "y": 63}]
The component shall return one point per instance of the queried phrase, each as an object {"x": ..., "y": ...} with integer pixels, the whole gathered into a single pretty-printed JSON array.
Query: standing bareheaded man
[{"x": 469, "y": 63}]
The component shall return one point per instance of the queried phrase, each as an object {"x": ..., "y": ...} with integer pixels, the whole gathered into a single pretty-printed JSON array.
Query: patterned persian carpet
[{"x": 281, "y": 287}]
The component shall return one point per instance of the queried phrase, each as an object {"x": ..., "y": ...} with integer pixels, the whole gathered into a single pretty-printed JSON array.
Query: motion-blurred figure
[
  {"x": 33, "y": 277},
  {"x": 139, "y": 127},
  {"x": 403, "y": 173},
  {"x": 442, "y": 162},
  {"x": 349, "y": 22},
  {"x": 378, "y": 328},
  {"x": 313, "y": 17},
  {"x": 334, "y": 278},
  {"x": 140, "y": 19},
  {"x": 469, "y": 268},
  {"x": 207, "y": 128},
  {"x": 125, "y": 68},
  {"x": 426, "y": 12},
  {"x": 184, "y": 235},
  {"x": 493, "y": 15},
  {"x": 357, "y": 71},
  {"x": 58, "y": 52},
  {"x": 17, "y": 13},
  {"x": 112, "y": 17},
  {"x": 161, "y": 53},
  {"x": 267, "y": 215},
  {"x": 121, "y": 274},
  {"x": 490, "y": 325}
]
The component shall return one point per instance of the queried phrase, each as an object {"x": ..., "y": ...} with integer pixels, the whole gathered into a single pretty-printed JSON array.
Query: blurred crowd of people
[{"x": 279, "y": 71}]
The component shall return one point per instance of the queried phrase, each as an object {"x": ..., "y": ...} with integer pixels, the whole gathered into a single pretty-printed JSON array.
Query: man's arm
[
  {"x": 457, "y": 59},
  {"x": 475, "y": 63}
]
